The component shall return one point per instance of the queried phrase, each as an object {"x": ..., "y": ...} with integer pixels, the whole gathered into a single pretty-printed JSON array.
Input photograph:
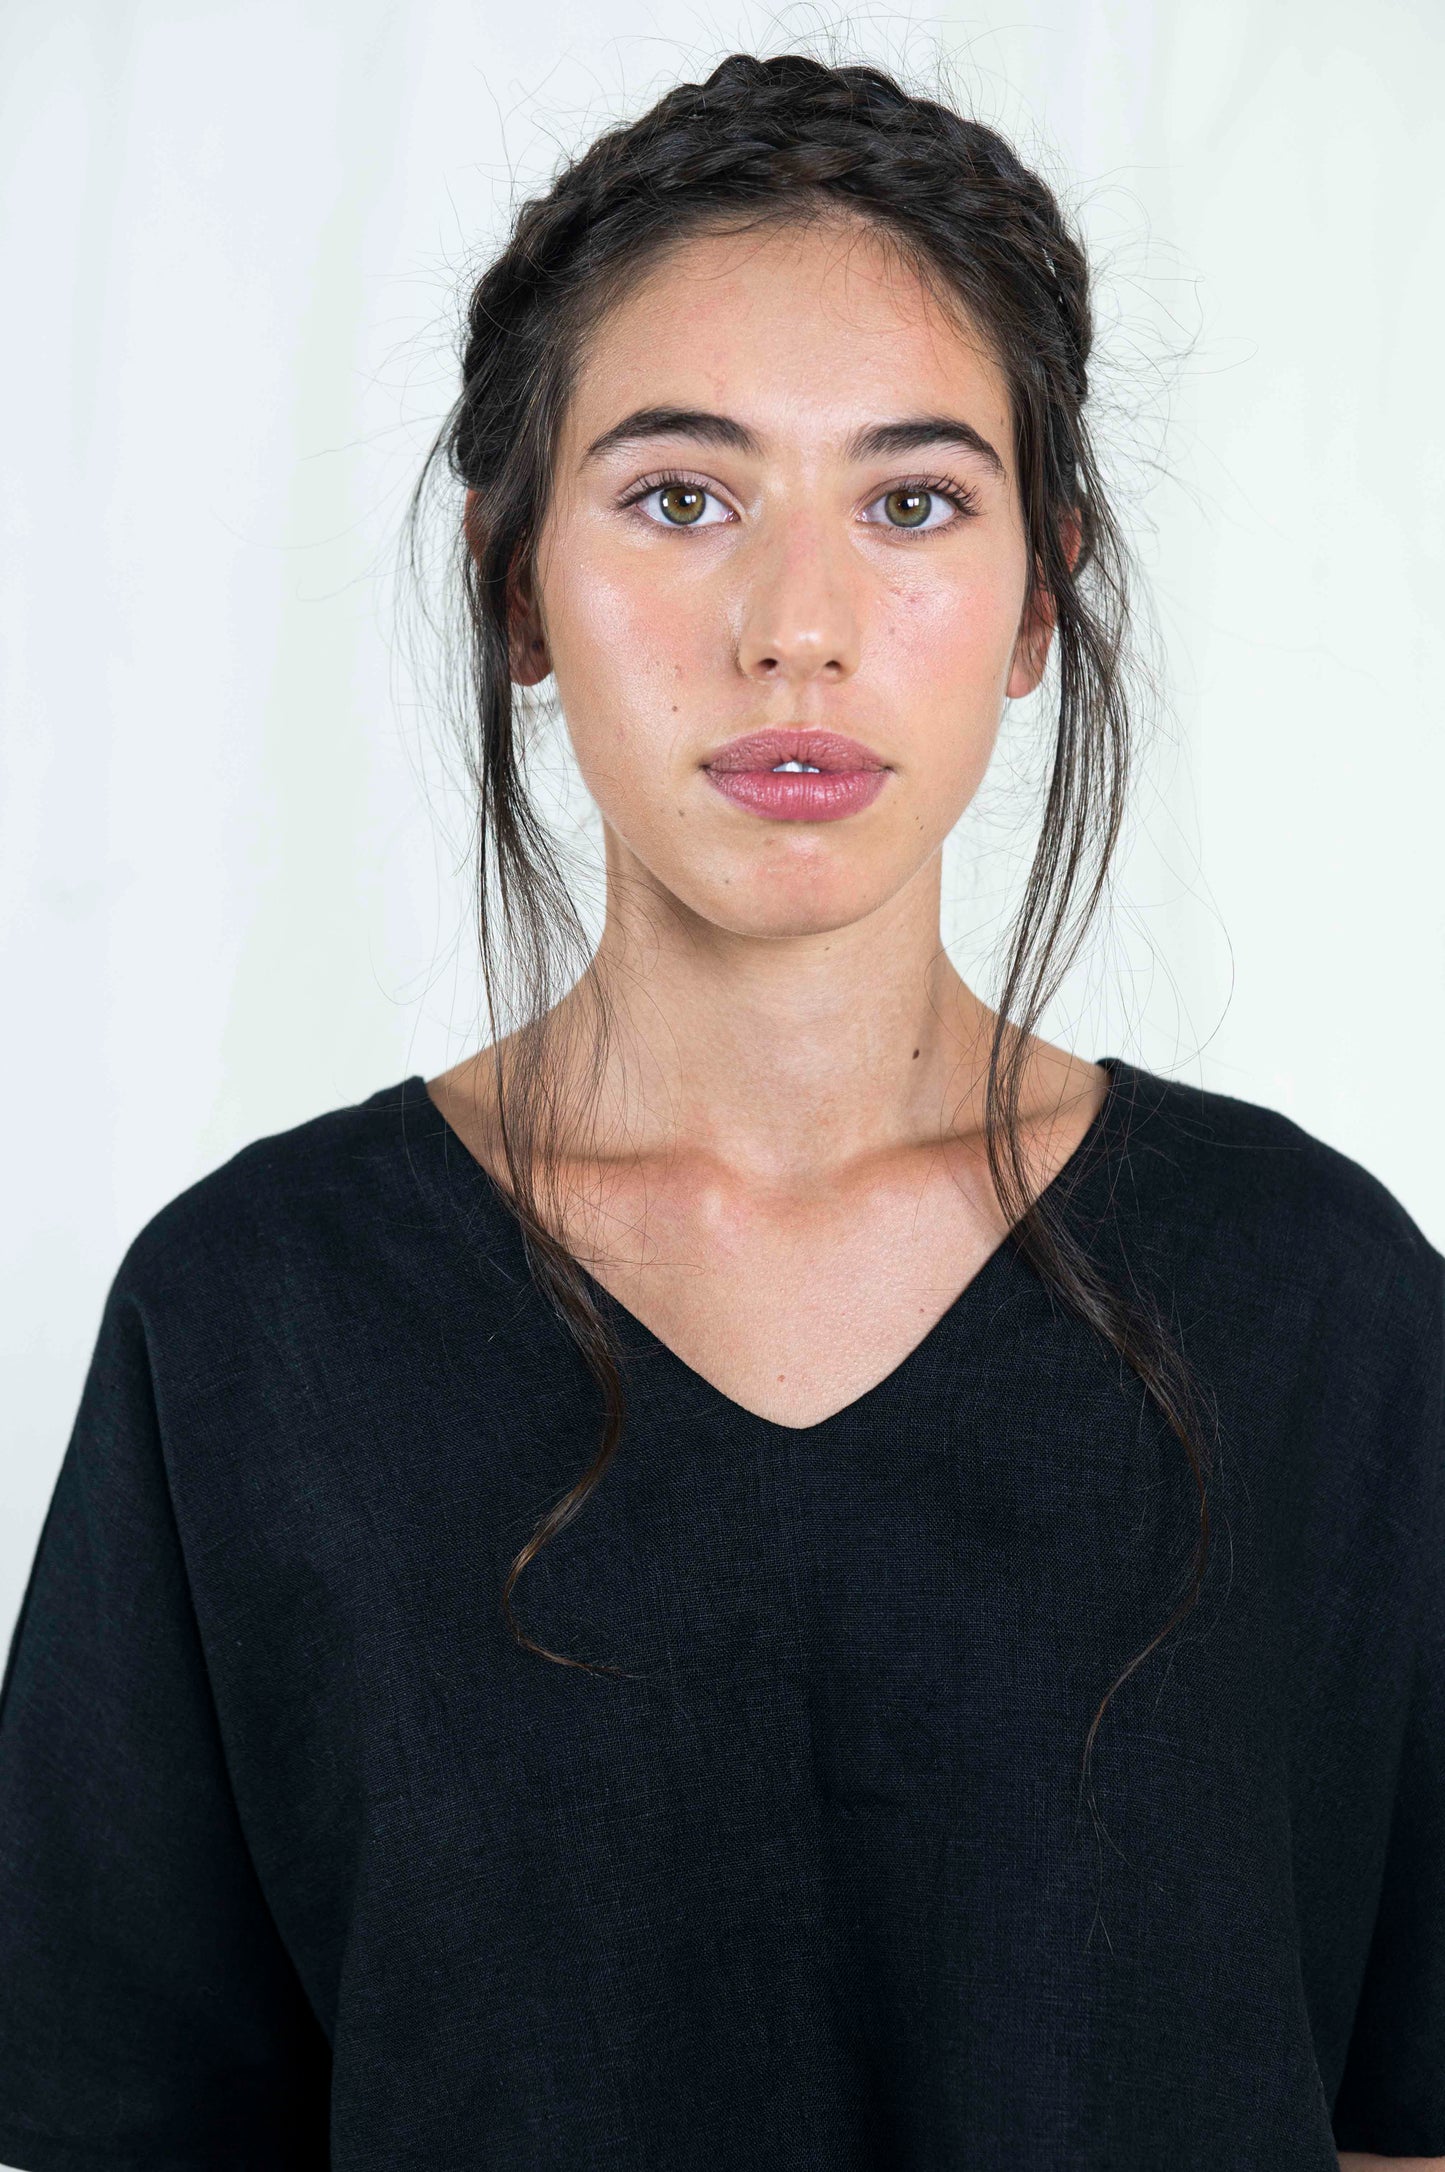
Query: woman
[{"x": 657, "y": 1600}]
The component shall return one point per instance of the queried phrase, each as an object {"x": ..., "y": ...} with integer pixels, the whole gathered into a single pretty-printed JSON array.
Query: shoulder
[
  {"x": 1307, "y": 1301},
  {"x": 291, "y": 1213},
  {"x": 1244, "y": 1192}
]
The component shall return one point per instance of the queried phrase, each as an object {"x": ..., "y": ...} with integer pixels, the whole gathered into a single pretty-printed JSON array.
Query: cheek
[
  {"x": 943, "y": 651},
  {"x": 627, "y": 652},
  {"x": 613, "y": 624}
]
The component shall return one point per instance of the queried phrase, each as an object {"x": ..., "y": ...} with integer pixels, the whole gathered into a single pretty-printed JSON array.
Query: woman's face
[{"x": 784, "y": 502}]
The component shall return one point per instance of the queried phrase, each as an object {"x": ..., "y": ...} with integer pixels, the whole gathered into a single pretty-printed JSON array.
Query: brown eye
[
  {"x": 681, "y": 503},
  {"x": 908, "y": 508}
]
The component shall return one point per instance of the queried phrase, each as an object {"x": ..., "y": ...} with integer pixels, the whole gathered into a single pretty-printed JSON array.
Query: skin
[
  {"x": 790, "y": 1188},
  {"x": 1356, "y": 2160}
]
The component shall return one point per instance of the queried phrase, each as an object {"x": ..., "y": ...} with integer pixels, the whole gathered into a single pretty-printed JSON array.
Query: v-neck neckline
[{"x": 634, "y": 1330}]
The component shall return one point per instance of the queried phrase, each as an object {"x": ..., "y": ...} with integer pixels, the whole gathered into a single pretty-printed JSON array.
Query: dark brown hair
[{"x": 789, "y": 139}]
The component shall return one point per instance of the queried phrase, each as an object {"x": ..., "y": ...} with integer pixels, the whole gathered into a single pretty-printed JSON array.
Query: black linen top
[{"x": 304, "y": 1861}]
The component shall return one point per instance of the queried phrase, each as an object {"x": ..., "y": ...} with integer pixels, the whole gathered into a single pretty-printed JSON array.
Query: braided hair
[{"x": 791, "y": 139}]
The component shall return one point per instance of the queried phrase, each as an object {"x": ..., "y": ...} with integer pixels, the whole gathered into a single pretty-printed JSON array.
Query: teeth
[{"x": 782, "y": 769}]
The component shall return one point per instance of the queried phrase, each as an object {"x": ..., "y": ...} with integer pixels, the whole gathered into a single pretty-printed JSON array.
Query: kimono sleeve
[
  {"x": 1391, "y": 2098},
  {"x": 149, "y": 2013}
]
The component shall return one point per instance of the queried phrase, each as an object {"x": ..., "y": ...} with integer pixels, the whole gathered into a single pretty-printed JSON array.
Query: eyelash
[
  {"x": 961, "y": 499},
  {"x": 957, "y": 495}
]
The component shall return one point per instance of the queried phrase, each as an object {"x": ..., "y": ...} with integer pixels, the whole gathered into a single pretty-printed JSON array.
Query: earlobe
[
  {"x": 528, "y": 660},
  {"x": 1031, "y": 650}
]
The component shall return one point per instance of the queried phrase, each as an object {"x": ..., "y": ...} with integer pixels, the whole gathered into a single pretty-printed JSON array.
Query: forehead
[{"x": 801, "y": 330}]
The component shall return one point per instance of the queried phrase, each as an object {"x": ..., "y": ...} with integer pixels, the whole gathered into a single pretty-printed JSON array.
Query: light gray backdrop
[{"x": 233, "y": 862}]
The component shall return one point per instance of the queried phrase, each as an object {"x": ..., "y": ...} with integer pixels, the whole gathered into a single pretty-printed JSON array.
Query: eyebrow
[
  {"x": 875, "y": 442},
  {"x": 693, "y": 422},
  {"x": 919, "y": 432}
]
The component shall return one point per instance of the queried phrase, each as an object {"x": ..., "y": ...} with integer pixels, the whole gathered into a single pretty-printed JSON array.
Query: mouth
[
  {"x": 798, "y": 775},
  {"x": 795, "y": 750}
]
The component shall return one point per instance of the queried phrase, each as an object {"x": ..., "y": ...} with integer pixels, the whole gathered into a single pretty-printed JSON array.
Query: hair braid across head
[{"x": 770, "y": 136}]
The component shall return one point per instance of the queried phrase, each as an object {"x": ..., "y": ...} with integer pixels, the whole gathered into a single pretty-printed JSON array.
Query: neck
[{"x": 784, "y": 1057}]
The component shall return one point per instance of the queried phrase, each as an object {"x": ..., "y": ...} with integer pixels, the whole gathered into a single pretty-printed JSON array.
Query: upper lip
[{"x": 828, "y": 751}]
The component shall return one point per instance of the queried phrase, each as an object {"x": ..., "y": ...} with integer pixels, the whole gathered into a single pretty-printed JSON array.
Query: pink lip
[{"x": 846, "y": 775}]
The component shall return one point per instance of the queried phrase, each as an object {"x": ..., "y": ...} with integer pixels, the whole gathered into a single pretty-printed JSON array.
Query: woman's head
[{"x": 824, "y": 268}]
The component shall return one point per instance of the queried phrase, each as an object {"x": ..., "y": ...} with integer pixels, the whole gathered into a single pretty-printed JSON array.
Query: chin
[{"x": 754, "y": 904}]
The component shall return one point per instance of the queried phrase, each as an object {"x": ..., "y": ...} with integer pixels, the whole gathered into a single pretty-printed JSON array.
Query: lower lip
[{"x": 800, "y": 795}]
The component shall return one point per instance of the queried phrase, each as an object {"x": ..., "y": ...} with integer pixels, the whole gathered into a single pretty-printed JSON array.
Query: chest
[
  {"x": 793, "y": 1307},
  {"x": 908, "y": 1616},
  {"x": 826, "y": 1776}
]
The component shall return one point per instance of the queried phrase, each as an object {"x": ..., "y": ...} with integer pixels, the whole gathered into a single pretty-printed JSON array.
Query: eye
[
  {"x": 677, "y": 502},
  {"x": 919, "y": 506}
]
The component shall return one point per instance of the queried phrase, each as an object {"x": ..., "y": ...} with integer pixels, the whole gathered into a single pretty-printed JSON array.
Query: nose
[{"x": 799, "y": 618}]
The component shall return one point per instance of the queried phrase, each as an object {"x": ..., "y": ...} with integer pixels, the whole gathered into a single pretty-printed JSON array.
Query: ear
[
  {"x": 1036, "y": 632},
  {"x": 530, "y": 660}
]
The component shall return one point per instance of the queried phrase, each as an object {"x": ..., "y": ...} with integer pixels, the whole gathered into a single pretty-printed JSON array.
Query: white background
[{"x": 234, "y": 866}]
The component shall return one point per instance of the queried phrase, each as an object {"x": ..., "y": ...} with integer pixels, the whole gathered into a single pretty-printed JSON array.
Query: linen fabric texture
[{"x": 304, "y": 1862}]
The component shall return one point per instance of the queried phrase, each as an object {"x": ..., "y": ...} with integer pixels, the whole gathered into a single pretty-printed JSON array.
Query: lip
[
  {"x": 845, "y": 776},
  {"x": 829, "y": 752}
]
